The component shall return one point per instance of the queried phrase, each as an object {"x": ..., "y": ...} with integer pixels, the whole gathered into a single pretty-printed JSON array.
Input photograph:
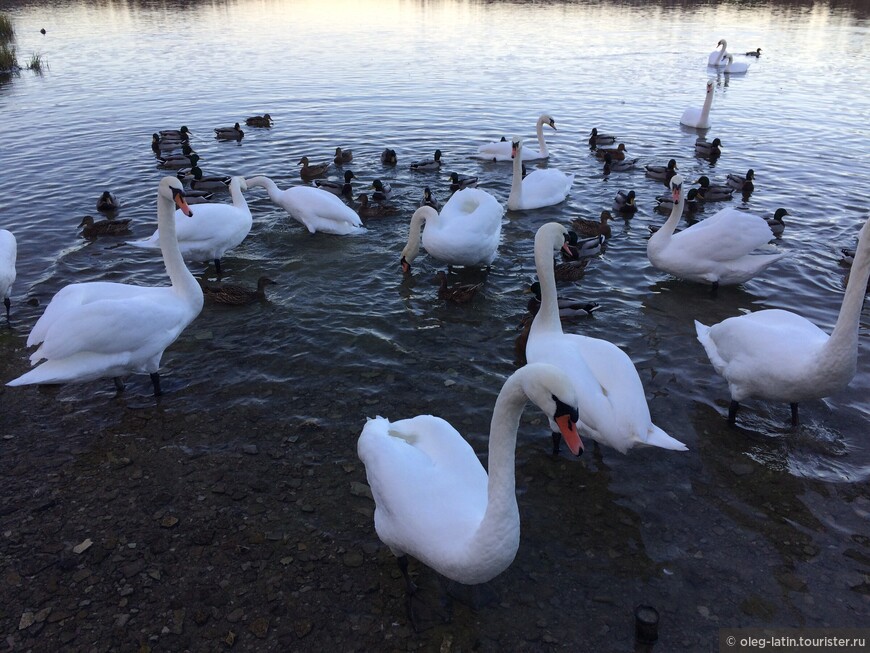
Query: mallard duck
[
  {"x": 342, "y": 156},
  {"x": 233, "y": 133},
  {"x": 197, "y": 181},
  {"x": 198, "y": 196},
  {"x": 337, "y": 188},
  {"x": 596, "y": 139},
  {"x": 428, "y": 164},
  {"x": 662, "y": 173},
  {"x": 848, "y": 255},
  {"x": 577, "y": 248},
  {"x": 568, "y": 308},
  {"x": 712, "y": 192},
  {"x": 160, "y": 146},
  {"x": 182, "y": 134},
  {"x": 776, "y": 223},
  {"x": 744, "y": 184},
  {"x": 592, "y": 228},
  {"x": 367, "y": 210},
  {"x": 624, "y": 203},
  {"x": 666, "y": 204},
  {"x": 91, "y": 229},
  {"x": 615, "y": 153},
  {"x": 8, "y": 256},
  {"x": 382, "y": 191},
  {"x": 458, "y": 183},
  {"x": 309, "y": 171},
  {"x": 430, "y": 200},
  {"x": 458, "y": 293},
  {"x": 754, "y": 53},
  {"x": 235, "y": 295},
  {"x": 708, "y": 149},
  {"x": 570, "y": 270},
  {"x": 388, "y": 157},
  {"x": 618, "y": 166},
  {"x": 107, "y": 202},
  {"x": 259, "y": 121},
  {"x": 178, "y": 161}
]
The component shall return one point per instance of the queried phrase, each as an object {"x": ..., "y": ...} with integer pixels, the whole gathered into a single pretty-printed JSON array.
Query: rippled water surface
[{"x": 345, "y": 335}]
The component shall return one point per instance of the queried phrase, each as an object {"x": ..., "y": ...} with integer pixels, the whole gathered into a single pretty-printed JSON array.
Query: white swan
[
  {"x": 100, "y": 329},
  {"x": 541, "y": 187},
  {"x": 612, "y": 405},
  {"x": 317, "y": 209},
  {"x": 466, "y": 232},
  {"x": 433, "y": 499},
  {"x": 735, "y": 68},
  {"x": 699, "y": 118},
  {"x": 501, "y": 150},
  {"x": 781, "y": 356},
  {"x": 715, "y": 250},
  {"x": 212, "y": 231},
  {"x": 717, "y": 57},
  {"x": 8, "y": 254}
]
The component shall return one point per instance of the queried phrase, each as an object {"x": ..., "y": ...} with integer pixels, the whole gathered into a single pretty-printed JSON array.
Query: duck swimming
[
  {"x": 337, "y": 188},
  {"x": 259, "y": 121},
  {"x": 107, "y": 202},
  {"x": 428, "y": 164},
  {"x": 625, "y": 203},
  {"x": 708, "y": 149},
  {"x": 309, "y": 170},
  {"x": 92, "y": 229},
  {"x": 596, "y": 139},
  {"x": 233, "y": 133},
  {"x": 592, "y": 228},
  {"x": 342, "y": 156},
  {"x": 662, "y": 173}
]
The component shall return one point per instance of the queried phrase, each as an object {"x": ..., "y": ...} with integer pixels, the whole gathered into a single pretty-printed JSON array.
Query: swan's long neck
[
  {"x": 268, "y": 184},
  {"x": 721, "y": 54},
  {"x": 547, "y": 319},
  {"x": 844, "y": 337},
  {"x": 516, "y": 194},
  {"x": 542, "y": 144},
  {"x": 236, "y": 193},
  {"x": 660, "y": 238},
  {"x": 180, "y": 277},
  {"x": 708, "y": 102},
  {"x": 412, "y": 248}
]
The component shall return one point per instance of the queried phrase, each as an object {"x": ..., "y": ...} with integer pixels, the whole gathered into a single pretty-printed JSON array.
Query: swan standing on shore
[
  {"x": 318, "y": 210},
  {"x": 100, "y": 329},
  {"x": 541, "y": 187},
  {"x": 781, "y": 356},
  {"x": 8, "y": 255},
  {"x": 699, "y": 118},
  {"x": 501, "y": 150}
]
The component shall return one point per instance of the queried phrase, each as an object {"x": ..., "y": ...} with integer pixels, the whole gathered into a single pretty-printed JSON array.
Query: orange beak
[
  {"x": 182, "y": 204},
  {"x": 406, "y": 267},
  {"x": 569, "y": 433}
]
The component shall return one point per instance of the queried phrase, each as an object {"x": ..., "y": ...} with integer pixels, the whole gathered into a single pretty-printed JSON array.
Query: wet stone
[
  {"x": 236, "y": 615},
  {"x": 352, "y": 559},
  {"x": 260, "y": 627}
]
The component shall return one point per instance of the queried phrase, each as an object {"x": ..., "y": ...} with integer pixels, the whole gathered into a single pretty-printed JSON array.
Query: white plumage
[
  {"x": 539, "y": 188},
  {"x": 501, "y": 150},
  {"x": 8, "y": 256},
  {"x": 699, "y": 118}
]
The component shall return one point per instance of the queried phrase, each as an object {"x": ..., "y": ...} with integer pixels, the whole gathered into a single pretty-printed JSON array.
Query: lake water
[{"x": 743, "y": 513}]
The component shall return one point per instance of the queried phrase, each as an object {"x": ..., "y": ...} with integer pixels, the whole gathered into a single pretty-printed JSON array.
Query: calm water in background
[{"x": 345, "y": 335}]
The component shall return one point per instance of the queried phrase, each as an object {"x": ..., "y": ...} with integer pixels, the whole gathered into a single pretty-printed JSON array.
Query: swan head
[
  {"x": 676, "y": 186},
  {"x": 516, "y": 147},
  {"x": 546, "y": 119},
  {"x": 723, "y": 43},
  {"x": 550, "y": 389},
  {"x": 243, "y": 183},
  {"x": 710, "y": 86},
  {"x": 171, "y": 189},
  {"x": 559, "y": 237},
  {"x": 409, "y": 253}
]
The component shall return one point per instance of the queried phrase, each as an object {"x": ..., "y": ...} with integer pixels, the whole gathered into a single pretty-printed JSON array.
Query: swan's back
[
  {"x": 725, "y": 236},
  {"x": 468, "y": 229},
  {"x": 320, "y": 210},
  {"x": 545, "y": 187}
]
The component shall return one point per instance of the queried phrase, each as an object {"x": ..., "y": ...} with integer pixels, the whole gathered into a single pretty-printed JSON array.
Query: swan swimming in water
[
  {"x": 717, "y": 57},
  {"x": 501, "y": 150},
  {"x": 539, "y": 188},
  {"x": 135, "y": 324},
  {"x": 781, "y": 356},
  {"x": 699, "y": 118}
]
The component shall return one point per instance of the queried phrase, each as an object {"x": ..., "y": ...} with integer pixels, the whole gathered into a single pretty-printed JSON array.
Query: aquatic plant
[
  {"x": 37, "y": 63},
  {"x": 7, "y": 58},
  {"x": 7, "y": 33}
]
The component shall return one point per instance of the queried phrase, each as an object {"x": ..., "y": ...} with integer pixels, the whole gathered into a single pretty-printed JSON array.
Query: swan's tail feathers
[
  {"x": 655, "y": 437},
  {"x": 706, "y": 340}
]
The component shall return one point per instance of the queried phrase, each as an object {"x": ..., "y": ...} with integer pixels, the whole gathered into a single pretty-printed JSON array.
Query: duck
[
  {"x": 178, "y": 161},
  {"x": 458, "y": 293},
  {"x": 592, "y": 228},
  {"x": 618, "y": 166},
  {"x": 708, "y": 149},
  {"x": 316, "y": 209},
  {"x": 501, "y": 150},
  {"x": 213, "y": 230},
  {"x": 337, "y": 188},
  {"x": 539, "y": 188},
  {"x": 309, "y": 171},
  {"x": 388, "y": 157},
  {"x": 596, "y": 139},
  {"x": 91, "y": 229},
  {"x": 234, "y": 294},
  {"x": 457, "y": 182},
  {"x": 716, "y": 251},
  {"x": 381, "y": 191},
  {"x": 568, "y": 308},
  {"x": 776, "y": 223},
  {"x": 666, "y": 203},
  {"x": 430, "y": 200},
  {"x": 625, "y": 203},
  {"x": 778, "y": 355},
  {"x": 712, "y": 192},
  {"x": 744, "y": 183},
  {"x": 367, "y": 210},
  {"x": 754, "y": 53},
  {"x": 466, "y": 232},
  {"x": 699, "y": 118},
  {"x": 193, "y": 197},
  {"x": 142, "y": 320},
  {"x": 342, "y": 156},
  {"x": 8, "y": 256},
  {"x": 615, "y": 153},
  {"x": 571, "y": 270},
  {"x": 161, "y": 146},
  {"x": 197, "y": 181},
  {"x": 181, "y": 134},
  {"x": 717, "y": 57},
  {"x": 107, "y": 202},
  {"x": 428, "y": 164},
  {"x": 581, "y": 248},
  {"x": 662, "y": 173},
  {"x": 735, "y": 67},
  {"x": 234, "y": 133},
  {"x": 612, "y": 408},
  {"x": 259, "y": 121},
  {"x": 434, "y": 501}
]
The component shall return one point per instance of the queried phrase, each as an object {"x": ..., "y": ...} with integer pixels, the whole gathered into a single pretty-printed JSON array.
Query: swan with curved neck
[
  {"x": 501, "y": 150},
  {"x": 467, "y": 231},
  {"x": 717, "y": 250},
  {"x": 612, "y": 403},
  {"x": 135, "y": 323},
  {"x": 699, "y": 118},
  {"x": 433, "y": 499},
  {"x": 735, "y": 67},
  {"x": 781, "y": 356},
  {"x": 539, "y": 188},
  {"x": 717, "y": 57}
]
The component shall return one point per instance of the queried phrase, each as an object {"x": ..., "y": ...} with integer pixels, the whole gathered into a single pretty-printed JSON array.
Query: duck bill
[
  {"x": 569, "y": 433},
  {"x": 181, "y": 203}
]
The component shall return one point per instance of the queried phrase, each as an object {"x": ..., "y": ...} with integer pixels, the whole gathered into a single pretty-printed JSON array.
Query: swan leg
[
  {"x": 217, "y": 266},
  {"x": 155, "y": 381},
  {"x": 794, "y": 416},
  {"x": 410, "y": 590},
  {"x": 119, "y": 384},
  {"x": 732, "y": 412},
  {"x": 7, "y": 303},
  {"x": 714, "y": 289}
]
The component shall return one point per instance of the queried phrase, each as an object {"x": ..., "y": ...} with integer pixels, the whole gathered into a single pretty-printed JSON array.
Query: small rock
[
  {"x": 741, "y": 469},
  {"x": 704, "y": 611},
  {"x": 259, "y": 626},
  {"x": 302, "y": 628},
  {"x": 121, "y": 620},
  {"x": 83, "y": 546},
  {"x": 26, "y": 621},
  {"x": 250, "y": 449},
  {"x": 358, "y": 489},
  {"x": 169, "y": 521},
  {"x": 235, "y": 615},
  {"x": 353, "y": 559},
  {"x": 230, "y": 639}
]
